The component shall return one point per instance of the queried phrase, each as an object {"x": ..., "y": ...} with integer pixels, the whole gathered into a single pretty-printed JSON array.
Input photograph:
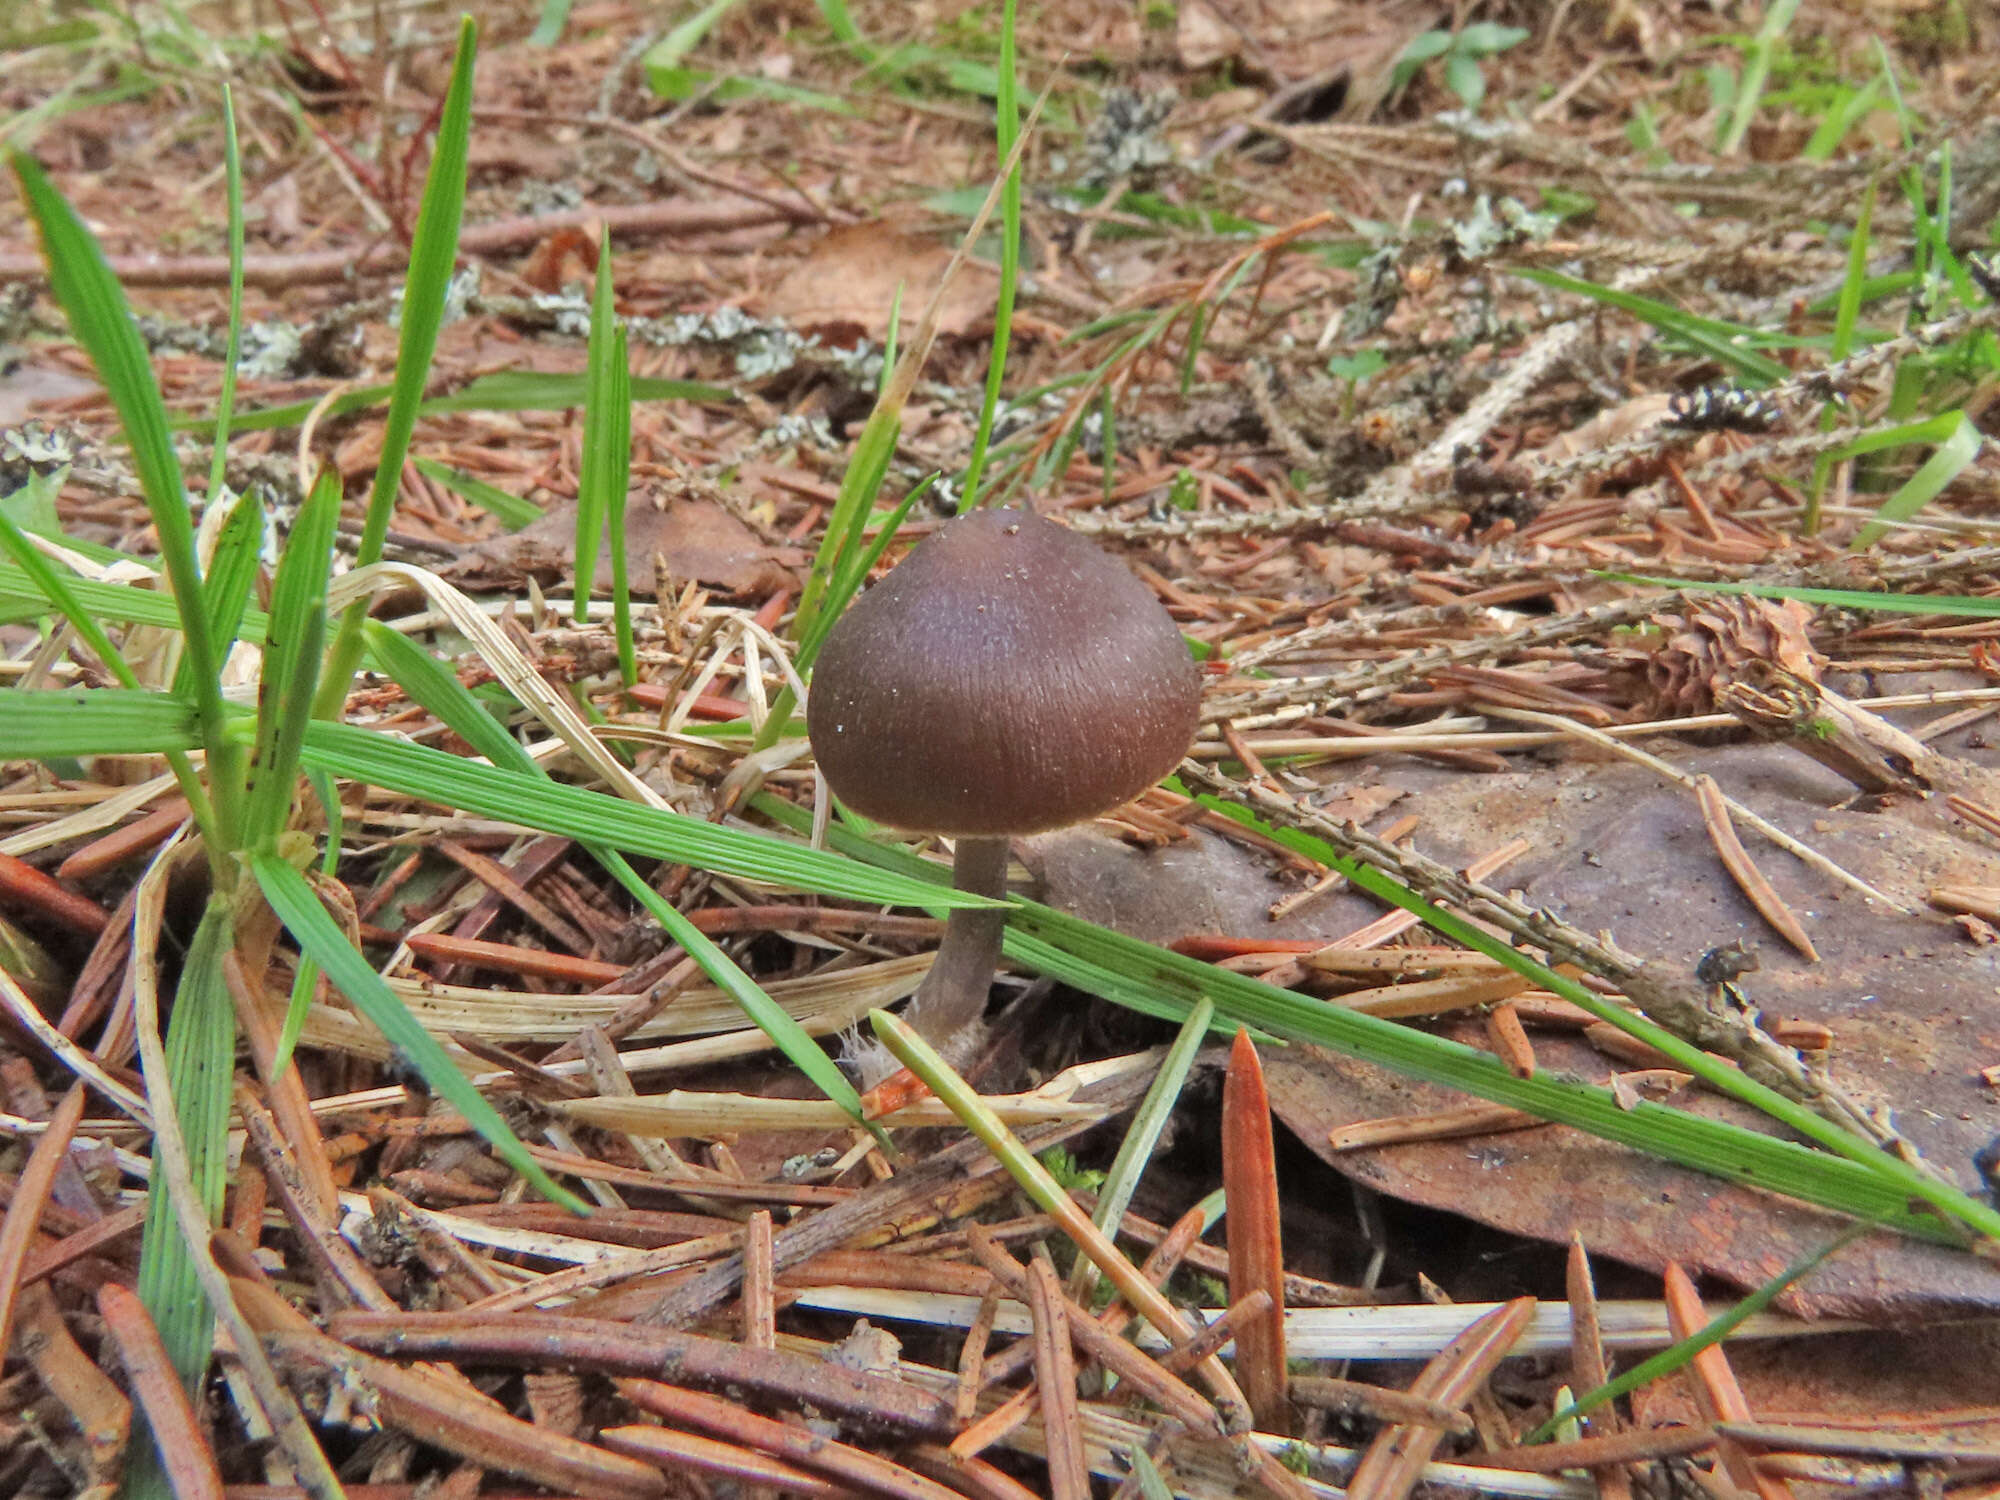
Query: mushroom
[{"x": 1007, "y": 678}]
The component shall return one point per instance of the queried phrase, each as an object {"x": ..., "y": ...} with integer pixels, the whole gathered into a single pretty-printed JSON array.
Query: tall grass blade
[
  {"x": 201, "y": 1048},
  {"x": 102, "y": 321},
  {"x": 549, "y": 25},
  {"x": 1149, "y": 1123},
  {"x": 1890, "y": 1171},
  {"x": 854, "y": 570},
  {"x": 1959, "y": 441},
  {"x": 1975, "y": 606},
  {"x": 1847, "y": 313},
  {"x": 39, "y": 574},
  {"x": 532, "y": 390},
  {"x": 1008, "y": 118},
  {"x": 225, "y": 405},
  {"x": 593, "y": 818},
  {"x": 23, "y": 597},
  {"x": 433, "y": 253},
  {"x": 305, "y": 979},
  {"x": 879, "y": 435},
  {"x": 292, "y": 657},
  {"x": 503, "y": 390},
  {"x": 593, "y": 501},
  {"x": 230, "y": 580},
  {"x": 617, "y": 493},
  {"x": 319, "y": 938},
  {"x": 1756, "y": 72},
  {"x": 178, "y": 724}
]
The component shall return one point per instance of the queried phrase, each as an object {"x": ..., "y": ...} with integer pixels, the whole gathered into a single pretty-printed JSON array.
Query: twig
[{"x": 281, "y": 272}]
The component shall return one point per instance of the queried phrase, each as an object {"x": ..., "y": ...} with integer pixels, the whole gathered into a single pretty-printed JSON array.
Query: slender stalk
[{"x": 953, "y": 994}]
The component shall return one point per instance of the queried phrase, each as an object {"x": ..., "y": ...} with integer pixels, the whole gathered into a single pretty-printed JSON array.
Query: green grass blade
[
  {"x": 1719, "y": 341},
  {"x": 503, "y": 390},
  {"x": 95, "y": 721},
  {"x": 305, "y": 980},
  {"x": 201, "y": 1058},
  {"x": 231, "y": 578},
  {"x": 853, "y": 573},
  {"x": 549, "y": 26},
  {"x": 593, "y": 818},
  {"x": 869, "y": 462},
  {"x": 39, "y": 574},
  {"x": 319, "y": 938},
  {"x": 841, "y": 23},
  {"x": 859, "y": 485},
  {"x": 1152, "y": 1483},
  {"x": 102, "y": 322},
  {"x": 1149, "y": 1123},
  {"x": 593, "y": 499},
  {"x": 1848, "y": 311},
  {"x": 1956, "y": 450},
  {"x": 1834, "y": 127},
  {"x": 433, "y": 253},
  {"x": 1724, "y": 1150},
  {"x": 426, "y": 680},
  {"x": 292, "y": 655},
  {"x": 232, "y": 163},
  {"x": 616, "y": 493},
  {"x": 1853, "y": 290},
  {"x": 529, "y": 390},
  {"x": 290, "y": 414},
  {"x": 512, "y": 511},
  {"x": 1756, "y": 72},
  {"x": 23, "y": 596},
  {"x": 672, "y": 49},
  {"x": 1890, "y": 1171},
  {"x": 1008, "y": 119},
  {"x": 800, "y": 1049}
]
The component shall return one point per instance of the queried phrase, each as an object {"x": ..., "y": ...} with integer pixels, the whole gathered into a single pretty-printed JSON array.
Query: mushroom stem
[{"x": 953, "y": 995}]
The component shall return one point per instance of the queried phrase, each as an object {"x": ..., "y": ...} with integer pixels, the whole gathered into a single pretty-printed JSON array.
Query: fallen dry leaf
[
  {"x": 846, "y": 287},
  {"x": 696, "y": 538}
]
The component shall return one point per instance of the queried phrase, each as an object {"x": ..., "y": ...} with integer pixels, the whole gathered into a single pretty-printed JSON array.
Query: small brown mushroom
[{"x": 1007, "y": 678}]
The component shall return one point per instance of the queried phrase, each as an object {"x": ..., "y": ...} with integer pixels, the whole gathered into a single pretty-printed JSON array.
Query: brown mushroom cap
[{"x": 1008, "y": 677}]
